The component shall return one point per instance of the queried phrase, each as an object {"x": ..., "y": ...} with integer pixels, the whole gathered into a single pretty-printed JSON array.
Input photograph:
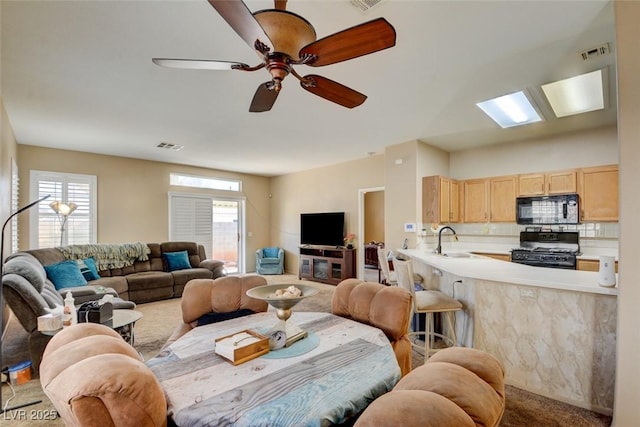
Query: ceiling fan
[{"x": 283, "y": 39}]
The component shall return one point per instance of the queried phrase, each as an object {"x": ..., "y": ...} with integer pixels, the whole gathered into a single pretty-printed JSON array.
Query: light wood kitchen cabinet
[
  {"x": 540, "y": 184},
  {"x": 500, "y": 257},
  {"x": 476, "y": 200},
  {"x": 502, "y": 196},
  {"x": 598, "y": 189},
  {"x": 590, "y": 265},
  {"x": 440, "y": 200}
]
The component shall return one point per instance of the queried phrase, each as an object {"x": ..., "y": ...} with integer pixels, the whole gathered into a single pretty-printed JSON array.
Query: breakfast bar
[{"x": 553, "y": 329}]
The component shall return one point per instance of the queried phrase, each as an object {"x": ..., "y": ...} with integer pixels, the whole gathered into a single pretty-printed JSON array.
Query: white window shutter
[
  {"x": 192, "y": 220},
  {"x": 68, "y": 188}
]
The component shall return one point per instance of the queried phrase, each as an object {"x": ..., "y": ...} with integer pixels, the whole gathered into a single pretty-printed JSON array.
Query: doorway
[{"x": 370, "y": 224}]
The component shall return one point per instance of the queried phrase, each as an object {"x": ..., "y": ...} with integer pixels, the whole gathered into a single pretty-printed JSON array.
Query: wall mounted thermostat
[{"x": 410, "y": 227}]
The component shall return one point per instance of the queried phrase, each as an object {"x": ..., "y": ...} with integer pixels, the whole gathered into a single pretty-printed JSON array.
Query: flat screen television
[{"x": 325, "y": 229}]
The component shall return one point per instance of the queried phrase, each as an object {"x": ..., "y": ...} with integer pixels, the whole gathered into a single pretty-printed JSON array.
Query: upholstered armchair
[
  {"x": 456, "y": 387},
  {"x": 207, "y": 301},
  {"x": 385, "y": 307},
  {"x": 270, "y": 261},
  {"x": 94, "y": 378}
]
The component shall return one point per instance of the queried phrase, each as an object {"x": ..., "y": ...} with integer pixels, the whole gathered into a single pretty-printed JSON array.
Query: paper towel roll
[{"x": 607, "y": 272}]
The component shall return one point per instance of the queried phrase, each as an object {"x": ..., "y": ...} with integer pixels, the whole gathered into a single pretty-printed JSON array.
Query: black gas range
[{"x": 553, "y": 249}]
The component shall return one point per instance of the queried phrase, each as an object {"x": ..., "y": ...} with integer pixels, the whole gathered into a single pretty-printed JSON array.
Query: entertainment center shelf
[{"x": 327, "y": 264}]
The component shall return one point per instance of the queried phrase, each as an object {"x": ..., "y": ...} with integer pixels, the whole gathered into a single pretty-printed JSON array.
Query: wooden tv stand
[{"x": 327, "y": 264}]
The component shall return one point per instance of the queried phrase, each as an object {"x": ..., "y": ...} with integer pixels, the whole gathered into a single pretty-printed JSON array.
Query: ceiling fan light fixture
[
  {"x": 576, "y": 95},
  {"x": 288, "y": 32},
  {"x": 514, "y": 109}
]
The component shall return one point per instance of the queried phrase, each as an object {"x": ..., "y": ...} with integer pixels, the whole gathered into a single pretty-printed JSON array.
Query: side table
[{"x": 122, "y": 322}]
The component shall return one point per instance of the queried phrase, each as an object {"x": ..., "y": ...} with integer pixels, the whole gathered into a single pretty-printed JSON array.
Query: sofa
[
  {"x": 94, "y": 378},
  {"x": 456, "y": 387},
  {"x": 145, "y": 278}
]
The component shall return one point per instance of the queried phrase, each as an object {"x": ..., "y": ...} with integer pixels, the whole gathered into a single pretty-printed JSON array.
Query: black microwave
[{"x": 556, "y": 209}]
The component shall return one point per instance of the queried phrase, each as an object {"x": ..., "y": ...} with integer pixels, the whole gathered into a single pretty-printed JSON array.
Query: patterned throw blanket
[{"x": 108, "y": 256}]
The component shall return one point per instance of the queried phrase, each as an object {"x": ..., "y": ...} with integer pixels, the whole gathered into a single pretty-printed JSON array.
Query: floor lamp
[
  {"x": 30, "y": 205},
  {"x": 63, "y": 212}
]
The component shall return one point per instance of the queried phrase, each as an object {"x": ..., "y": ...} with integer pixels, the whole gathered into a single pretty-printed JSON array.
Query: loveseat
[{"x": 148, "y": 276}]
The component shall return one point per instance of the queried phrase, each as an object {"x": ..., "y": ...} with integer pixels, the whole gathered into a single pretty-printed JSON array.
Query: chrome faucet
[{"x": 439, "y": 248}]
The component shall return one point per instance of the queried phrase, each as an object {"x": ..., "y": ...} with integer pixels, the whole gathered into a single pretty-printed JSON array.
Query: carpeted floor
[{"x": 523, "y": 409}]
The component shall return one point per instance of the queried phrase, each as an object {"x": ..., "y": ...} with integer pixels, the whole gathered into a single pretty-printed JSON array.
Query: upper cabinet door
[
  {"x": 476, "y": 200},
  {"x": 503, "y": 199},
  {"x": 564, "y": 182},
  {"x": 598, "y": 189},
  {"x": 540, "y": 184},
  {"x": 440, "y": 200},
  {"x": 531, "y": 184}
]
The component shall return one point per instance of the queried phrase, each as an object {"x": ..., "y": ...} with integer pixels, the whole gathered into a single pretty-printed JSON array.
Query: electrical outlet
[{"x": 528, "y": 293}]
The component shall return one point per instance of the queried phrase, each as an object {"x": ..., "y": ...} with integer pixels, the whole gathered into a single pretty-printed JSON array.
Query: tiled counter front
[{"x": 556, "y": 343}]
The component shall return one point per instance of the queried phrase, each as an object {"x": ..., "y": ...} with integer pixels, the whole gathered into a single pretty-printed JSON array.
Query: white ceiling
[{"x": 78, "y": 75}]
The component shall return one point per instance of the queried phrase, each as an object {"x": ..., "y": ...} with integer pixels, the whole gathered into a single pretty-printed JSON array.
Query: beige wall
[
  {"x": 627, "y": 393},
  {"x": 329, "y": 189},
  {"x": 8, "y": 149},
  {"x": 133, "y": 194},
  {"x": 580, "y": 149}
]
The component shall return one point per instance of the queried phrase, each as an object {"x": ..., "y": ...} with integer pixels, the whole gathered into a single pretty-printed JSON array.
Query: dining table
[{"x": 325, "y": 379}]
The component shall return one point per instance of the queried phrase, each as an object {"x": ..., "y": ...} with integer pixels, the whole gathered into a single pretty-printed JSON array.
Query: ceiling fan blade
[
  {"x": 240, "y": 18},
  {"x": 280, "y": 4},
  {"x": 332, "y": 91},
  {"x": 351, "y": 43},
  {"x": 198, "y": 64},
  {"x": 264, "y": 98}
]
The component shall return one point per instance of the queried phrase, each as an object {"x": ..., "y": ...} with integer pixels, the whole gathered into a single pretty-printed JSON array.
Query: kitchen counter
[
  {"x": 484, "y": 268},
  {"x": 554, "y": 330}
]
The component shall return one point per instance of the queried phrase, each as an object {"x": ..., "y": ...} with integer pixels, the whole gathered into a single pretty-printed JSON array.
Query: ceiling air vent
[
  {"x": 365, "y": 5},
  {"x": 170, "y": 146},
  {"x": 595, "y": 52}
]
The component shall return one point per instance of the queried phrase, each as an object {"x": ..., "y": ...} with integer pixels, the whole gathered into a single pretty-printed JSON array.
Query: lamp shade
[{"x": 63, "y": 209}]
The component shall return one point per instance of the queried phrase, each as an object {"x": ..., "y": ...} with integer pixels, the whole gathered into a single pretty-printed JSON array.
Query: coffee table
[{"x": 352, "y": 364}]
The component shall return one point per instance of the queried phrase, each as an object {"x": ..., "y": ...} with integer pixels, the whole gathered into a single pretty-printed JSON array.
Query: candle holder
[{"x": 283, "y": 306}]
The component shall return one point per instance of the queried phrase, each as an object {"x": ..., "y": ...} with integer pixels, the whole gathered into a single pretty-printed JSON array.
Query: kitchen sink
[{"x": 459, "y": 255}]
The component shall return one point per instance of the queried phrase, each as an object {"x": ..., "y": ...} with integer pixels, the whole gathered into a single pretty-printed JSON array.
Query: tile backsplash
[{"x": 591, "y": 234}]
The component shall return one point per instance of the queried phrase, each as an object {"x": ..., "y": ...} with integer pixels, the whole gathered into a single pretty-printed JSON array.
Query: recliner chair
[
  {"x": 30, "y": 294},
  {"x": 270, "y": 260}
]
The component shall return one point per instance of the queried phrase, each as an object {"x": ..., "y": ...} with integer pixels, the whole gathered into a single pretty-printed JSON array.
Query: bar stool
[
  {"x": 428, "y": 302},
  {"x": 388, "y": 276}
]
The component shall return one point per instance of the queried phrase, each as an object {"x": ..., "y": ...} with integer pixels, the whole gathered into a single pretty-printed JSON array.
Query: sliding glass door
[{"x": 214, "y": 222}]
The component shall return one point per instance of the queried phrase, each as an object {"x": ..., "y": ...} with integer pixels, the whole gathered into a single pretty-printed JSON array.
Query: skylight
[
  {"x": 510, "y": 110},
  {"x": 576, "y": 95}
]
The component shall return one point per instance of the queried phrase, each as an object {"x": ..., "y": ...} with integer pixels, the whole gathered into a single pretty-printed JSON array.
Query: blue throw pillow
[
  {"x": 88, "y": 269},
  {"x": 65, "y": 274},
  {"x": 177, "y": 260},
  {"x": 270, "y": 252}
]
